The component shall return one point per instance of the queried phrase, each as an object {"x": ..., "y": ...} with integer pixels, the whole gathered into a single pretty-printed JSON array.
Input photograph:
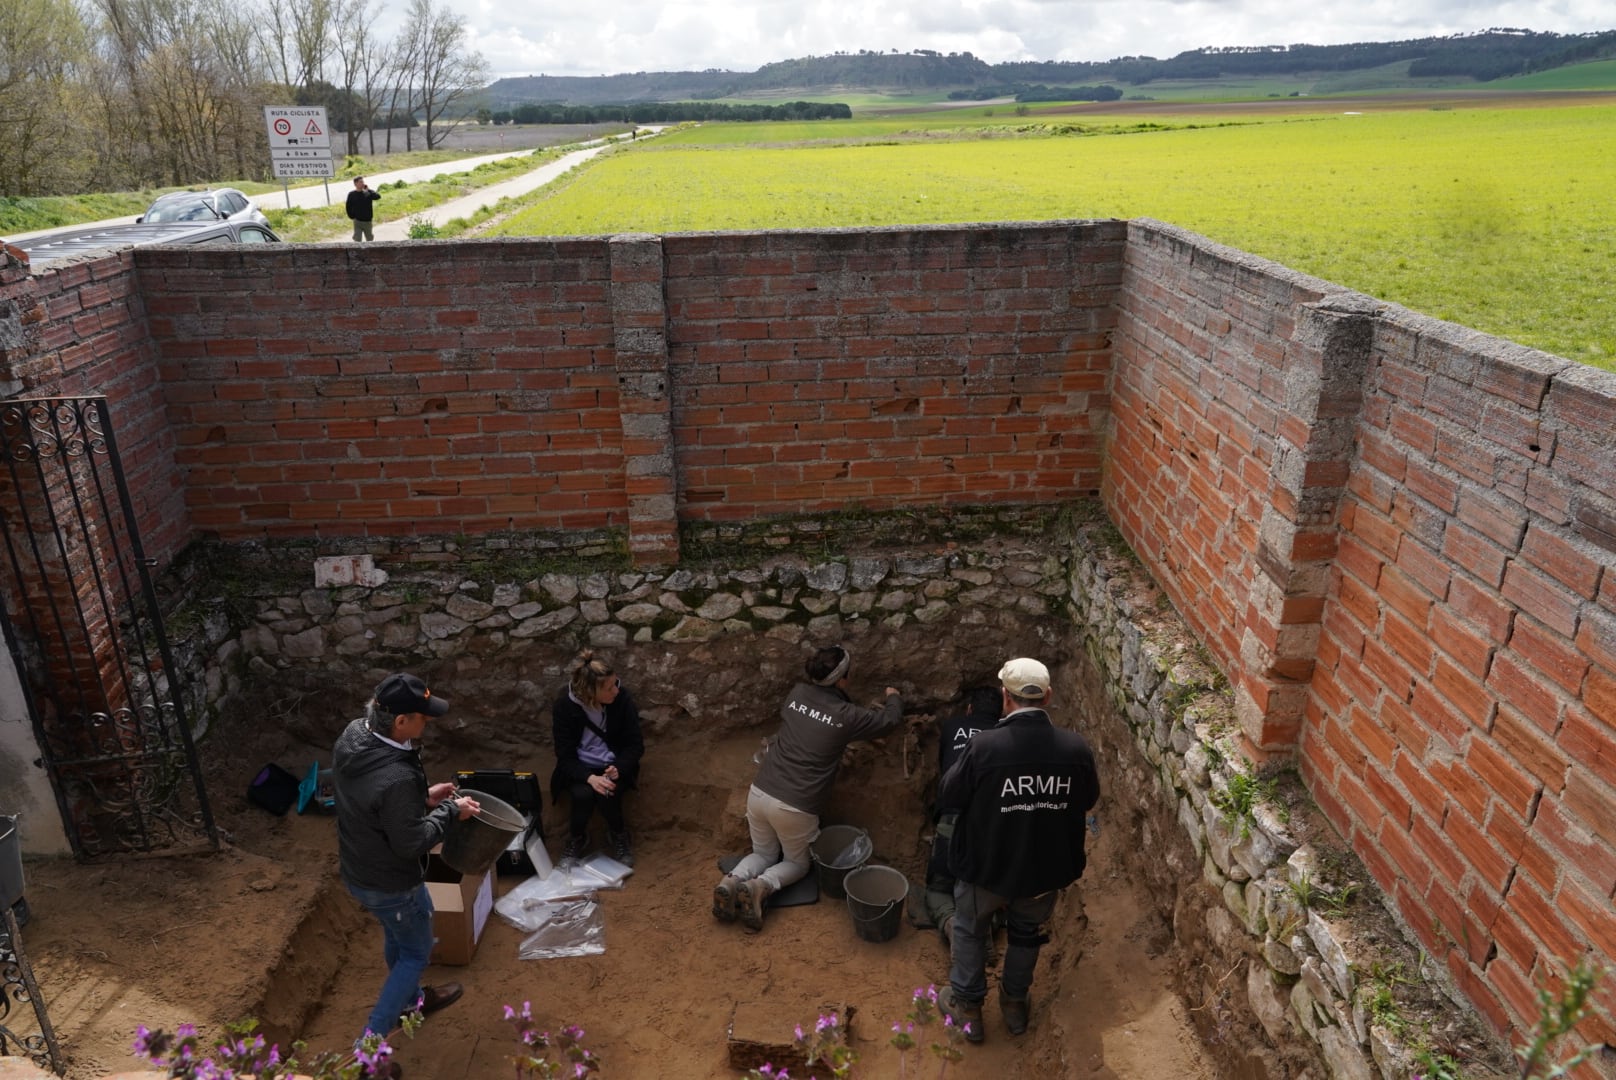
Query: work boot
[
  {"x": 1015, "y": 1012},
  {"x": 966, "y": 1015},
  {"x": 622, "y": 850},
  {"x": 726, "y": 895},
  {"x": 749, "y": 903},
  {"x": 575, "y": 848}
]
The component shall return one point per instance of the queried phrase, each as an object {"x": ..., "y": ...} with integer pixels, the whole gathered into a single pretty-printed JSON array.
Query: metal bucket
[
  {"x": 836, "y": 850},
  {"x": 875, "y": 896},
  {"x": 10, "y": 861},
  {"x": 472, "y": 845}
]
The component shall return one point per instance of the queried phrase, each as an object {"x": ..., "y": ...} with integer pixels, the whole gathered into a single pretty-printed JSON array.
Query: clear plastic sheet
[
  {"x": 526, "y": 906},
  {"x": 569, "y": 928}
]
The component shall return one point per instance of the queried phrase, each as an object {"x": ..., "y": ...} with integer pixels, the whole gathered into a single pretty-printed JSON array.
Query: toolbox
[{"x": 520, "y": 789}]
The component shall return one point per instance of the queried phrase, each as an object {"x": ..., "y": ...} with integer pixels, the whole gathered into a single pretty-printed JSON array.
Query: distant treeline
[
  {"x": 669, "y": 112},
  {"x": 1039, "y": 93},
  {"x": 1490, "y": 54}
]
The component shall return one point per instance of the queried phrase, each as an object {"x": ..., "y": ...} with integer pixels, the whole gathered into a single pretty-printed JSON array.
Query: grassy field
[
  {"x": 1598, "y": 75},
  {"x": 1498, "y": 219}
]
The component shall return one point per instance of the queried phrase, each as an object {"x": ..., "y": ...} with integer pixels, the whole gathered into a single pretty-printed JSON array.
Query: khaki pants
[
  {"x": 361, "y": 231},
  {"x": 780, "y": 838}
]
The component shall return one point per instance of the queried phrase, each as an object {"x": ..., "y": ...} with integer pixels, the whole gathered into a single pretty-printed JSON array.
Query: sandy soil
[{"x": 264, "y": 929}]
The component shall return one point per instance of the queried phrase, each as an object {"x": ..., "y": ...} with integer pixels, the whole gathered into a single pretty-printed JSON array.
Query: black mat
[{"x": 804, "y": 891}]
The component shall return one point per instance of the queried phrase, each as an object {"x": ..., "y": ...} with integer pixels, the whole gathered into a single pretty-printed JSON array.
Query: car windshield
[{"x": 197, "y": 209}]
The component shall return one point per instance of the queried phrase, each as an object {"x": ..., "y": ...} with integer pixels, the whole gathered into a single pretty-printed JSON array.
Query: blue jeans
[
  {"x": 406, "y": 919},
  {"x": 973, "y": 926}
]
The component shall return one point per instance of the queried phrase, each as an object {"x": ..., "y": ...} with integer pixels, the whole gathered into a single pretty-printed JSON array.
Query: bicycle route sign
[{"x": 299, "y": 141}]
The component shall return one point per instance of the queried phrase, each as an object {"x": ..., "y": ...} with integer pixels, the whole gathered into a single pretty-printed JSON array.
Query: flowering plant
[
  {"x": 243, "y": 1053},
  {"x": 827, "y": 1043},
  {"x": 535, "y": 1060}
]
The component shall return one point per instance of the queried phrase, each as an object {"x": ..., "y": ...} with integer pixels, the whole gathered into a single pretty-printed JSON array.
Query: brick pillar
[
  {"x": 1323, "y": 381},
  {"x": 640, "y": 339}
]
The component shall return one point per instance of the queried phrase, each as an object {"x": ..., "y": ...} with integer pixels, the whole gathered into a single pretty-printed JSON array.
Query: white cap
[{"x": 1025, "y": 677}]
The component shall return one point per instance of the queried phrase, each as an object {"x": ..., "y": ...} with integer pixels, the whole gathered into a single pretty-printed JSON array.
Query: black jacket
[
  {"x": 384, "y": 829},
  {"x": 622, "y": 737},
  {"x": 1023, "y": 790},
  {"x": 362, "y": 204}
]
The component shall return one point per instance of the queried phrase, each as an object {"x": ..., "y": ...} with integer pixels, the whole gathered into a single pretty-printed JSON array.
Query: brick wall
[
  {"x": 1399, "y": 537},
  {"x": 398, "y": 390},
  {"x": 1462, "y": 729},
  {"x": 82, "y": 330},
  {"x": 812, "y": 371}
]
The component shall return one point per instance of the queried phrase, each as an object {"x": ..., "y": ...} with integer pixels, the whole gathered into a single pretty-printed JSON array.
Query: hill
[{"x": 1484, "y": 56}]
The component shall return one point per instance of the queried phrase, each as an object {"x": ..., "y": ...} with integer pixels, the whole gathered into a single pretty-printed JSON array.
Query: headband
[{"x": 838, "y": 672}]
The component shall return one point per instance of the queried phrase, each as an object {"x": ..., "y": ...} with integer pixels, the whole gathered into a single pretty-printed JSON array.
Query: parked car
[
  {"x": 70, "y": 243},
  {"x": 215, "y": 204}
]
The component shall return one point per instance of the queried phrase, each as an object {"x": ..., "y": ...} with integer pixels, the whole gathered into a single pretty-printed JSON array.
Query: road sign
[
  {"x": 285, "y": 169},
  {"x": 297, "y": 125},
  {"x": 300, "y": 153}
]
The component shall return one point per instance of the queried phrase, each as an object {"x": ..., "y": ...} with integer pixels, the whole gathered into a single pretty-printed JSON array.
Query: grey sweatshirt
[{"x": 817, "y": 723}]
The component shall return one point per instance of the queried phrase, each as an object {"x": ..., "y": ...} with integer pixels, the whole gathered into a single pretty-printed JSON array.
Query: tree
[
  {"x": 354, "y": 45},
  {"x": 448, "y": 74},
  {"x": 42, "y": 52}
]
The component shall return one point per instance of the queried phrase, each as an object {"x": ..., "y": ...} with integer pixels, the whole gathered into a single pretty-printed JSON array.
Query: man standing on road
[
  {"x": 1023, "y": 790},
  {"x": 361, "y": 208},
  {"x": 387, "y": 820}
]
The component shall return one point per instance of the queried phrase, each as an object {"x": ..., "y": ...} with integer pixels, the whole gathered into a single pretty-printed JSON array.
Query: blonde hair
[{"x": 588, "y": 675}]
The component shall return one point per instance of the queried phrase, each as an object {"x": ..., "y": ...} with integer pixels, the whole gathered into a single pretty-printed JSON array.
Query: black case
[{"x": 520, "y": 789}]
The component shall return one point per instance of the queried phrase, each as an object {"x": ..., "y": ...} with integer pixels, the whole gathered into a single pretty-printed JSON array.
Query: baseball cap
[
  {"x": 404, "y": 693},
  {"x": 1025, "y": 677}
]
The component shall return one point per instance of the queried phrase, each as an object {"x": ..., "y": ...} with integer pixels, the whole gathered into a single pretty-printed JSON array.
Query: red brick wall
[
  {"x": 1462, "y": 729},
  {"x": 1408, "y": 530},
  {"x": 325, "y": 391},
  {"x": 82, "y": 330},
  {"x": 880, "y": 368}
]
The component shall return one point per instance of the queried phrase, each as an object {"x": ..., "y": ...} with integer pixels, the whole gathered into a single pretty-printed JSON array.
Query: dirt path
[{"x": 161, "y": 941}]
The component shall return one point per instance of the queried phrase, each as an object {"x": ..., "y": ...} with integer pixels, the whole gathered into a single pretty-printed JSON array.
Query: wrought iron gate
[
  {"x": 17, "y": 987},
  {"x": 88, "y": 638}
]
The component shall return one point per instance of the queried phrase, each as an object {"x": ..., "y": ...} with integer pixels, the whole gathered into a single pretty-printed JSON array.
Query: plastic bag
[
  {"x": 569, "y": 928},
  {"x": 600, "y": 871},
  {"x": 525, "y": 907}
]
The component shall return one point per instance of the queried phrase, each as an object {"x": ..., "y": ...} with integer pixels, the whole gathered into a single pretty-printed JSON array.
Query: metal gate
[{"x": 87, "y": 636}]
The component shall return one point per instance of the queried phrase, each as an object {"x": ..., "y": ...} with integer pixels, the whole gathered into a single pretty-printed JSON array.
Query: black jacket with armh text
[{"x": 1023, "y": 789}]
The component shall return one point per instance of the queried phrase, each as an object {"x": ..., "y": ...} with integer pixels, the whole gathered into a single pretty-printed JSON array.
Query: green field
[
  {"x": 1597, "y": 75},
  {"x": 1498, "y": 219}
]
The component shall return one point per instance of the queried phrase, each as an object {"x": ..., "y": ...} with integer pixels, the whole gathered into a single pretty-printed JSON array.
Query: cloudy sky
[{"x": 604, "y": 37}]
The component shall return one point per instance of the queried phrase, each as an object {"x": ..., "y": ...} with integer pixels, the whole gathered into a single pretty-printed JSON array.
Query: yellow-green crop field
[{"x": 1499, "y": 219}]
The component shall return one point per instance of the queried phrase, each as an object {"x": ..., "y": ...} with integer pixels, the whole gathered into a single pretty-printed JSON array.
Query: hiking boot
[
  {"x": 966, "y": 1015},
  {"x": 622, "y": 850},
  {"x": 575, "y": 848},
  {"x": 726, "y": 895},
  {"x": 1015, "y": 1012},
  {"x": 750, "y": 896}
]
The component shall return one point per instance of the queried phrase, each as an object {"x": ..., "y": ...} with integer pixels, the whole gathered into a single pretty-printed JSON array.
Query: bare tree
[
  {"x": 295, "y": 36},
  {"x": 449, "y": 74},
  {"x": 354, "y": 44}
]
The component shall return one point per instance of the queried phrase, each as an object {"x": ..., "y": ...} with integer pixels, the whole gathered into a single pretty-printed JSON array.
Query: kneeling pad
[{"x": 803, "y": 891}]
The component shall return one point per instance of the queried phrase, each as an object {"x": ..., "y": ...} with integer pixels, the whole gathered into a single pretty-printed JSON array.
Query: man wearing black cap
[
  {"x": 387, "y": 820},
  {"x": 1023, "y": 789}
]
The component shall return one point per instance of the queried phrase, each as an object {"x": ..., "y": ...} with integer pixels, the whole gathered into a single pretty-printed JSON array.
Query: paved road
[{"x": 316, "y": 195}]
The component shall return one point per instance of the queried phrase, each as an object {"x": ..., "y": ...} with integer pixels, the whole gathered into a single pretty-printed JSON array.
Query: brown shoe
[
  {"x": 749, "y": 903},
  {"x": 387, "y": 1070},
  {"x": 434, "y": 998},
  {"x": 1016, "y": 1011},
  {"x": 965, "y": 1015},
  {"x": 726, "y": 894}
]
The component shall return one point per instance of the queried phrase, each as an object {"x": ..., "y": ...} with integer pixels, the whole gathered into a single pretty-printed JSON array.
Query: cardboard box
[{"x": 460, "y": 907}]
